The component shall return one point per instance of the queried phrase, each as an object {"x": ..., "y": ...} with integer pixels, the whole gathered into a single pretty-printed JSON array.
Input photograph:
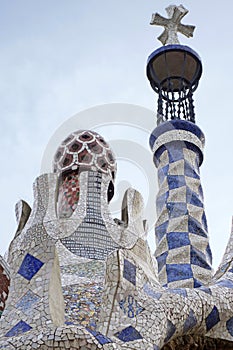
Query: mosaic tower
[{"x": 183, "y": 252}]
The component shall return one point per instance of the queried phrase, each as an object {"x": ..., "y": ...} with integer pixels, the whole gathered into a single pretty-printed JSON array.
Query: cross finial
[{"x": 172, "y": 25}]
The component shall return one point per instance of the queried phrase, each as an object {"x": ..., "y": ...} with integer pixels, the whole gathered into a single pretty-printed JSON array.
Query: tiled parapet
[
  {"x": 35, "y": 295},
  {"x": 183, "y": 252}
]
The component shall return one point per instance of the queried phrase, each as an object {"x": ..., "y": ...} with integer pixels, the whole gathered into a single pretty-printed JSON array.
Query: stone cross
[{"x": 172, "y": 24}]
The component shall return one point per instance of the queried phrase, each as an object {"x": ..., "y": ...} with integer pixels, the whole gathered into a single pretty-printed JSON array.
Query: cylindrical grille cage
[{"x": 174, "y": 72}]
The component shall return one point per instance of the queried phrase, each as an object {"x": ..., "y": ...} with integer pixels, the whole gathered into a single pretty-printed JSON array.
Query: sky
[{"x": 58, "y": 58}]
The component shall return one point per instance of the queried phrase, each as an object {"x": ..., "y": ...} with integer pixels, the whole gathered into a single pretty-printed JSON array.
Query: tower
[{"x": 183, "y": 252}]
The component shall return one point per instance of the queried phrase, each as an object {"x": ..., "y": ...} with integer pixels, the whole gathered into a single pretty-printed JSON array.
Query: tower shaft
[{"x": 183, "y": 253}]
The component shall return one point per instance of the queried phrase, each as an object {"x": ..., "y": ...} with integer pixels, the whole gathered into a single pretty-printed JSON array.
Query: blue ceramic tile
[
  {"x": 160, "y": 231},
  {"x": 128, "y": 334},
  {"x": 170, "y": 331},
  {"x": 194, "y": 148},
  {"x": 27, "y": 301},
  {"x": 161, "y": 201},
  {"x": 30, "y": 266},
  {"x": 130, "y": 306},
  {"x": 152, "y": 140},
  {"x": 196, "y": 228},
  {"x": 179, "y": 291},
  {"x": 193, "y": 198},
  {"x": 162, "y": 173},
  {"x": 190, "y": 171},
  {"x": 212, "y": 319},
  {"x": 176, "y": 209},
  {"x": 177, "y": 239},
  {"x": 196, "y": 283},
  {"x": 205, "y": 289},
  {"x": 190, "y": 322},
  {"x": 19, "y": 328},
  {"x": 158, "y": 154},
  {"x": 225, "y": 283},
  {"x": 102, "y": 339},
  {"x": 161, "y": 260},
  {"x": 129, "y": 272},
  {"x": 209, "y": 253},
  {"x": 177, "y": 272},
  {"x": 200, "y": 192},
  {"x": 198, "y": 258},
  {"x": 229, "y": 326},
  {"x": 175, "y": 151},
  {"x": 175, "y": 181},
  {"x": 204, "y": 222},
  {"x": 150, "y": 292}
]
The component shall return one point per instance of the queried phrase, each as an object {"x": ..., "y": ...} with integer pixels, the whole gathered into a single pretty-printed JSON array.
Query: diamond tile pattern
[
  {"x": 190, "y": 322},
  {"x": 181, "y": 218},
  {"x": 128, "y": 334},
  {"x": 175, "y": 272},
  {"x": 212, "y": 319},
  {"x": 27, "y": 301},
  {"x": 19, "y": 328},
  {"x": 102, "y": 339},
  {"x": 30, "y": 266},
  {"x": 170, "y": 331}
]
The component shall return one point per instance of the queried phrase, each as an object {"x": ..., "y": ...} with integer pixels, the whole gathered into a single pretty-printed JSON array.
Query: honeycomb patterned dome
[{"x": 85, "y": 150}]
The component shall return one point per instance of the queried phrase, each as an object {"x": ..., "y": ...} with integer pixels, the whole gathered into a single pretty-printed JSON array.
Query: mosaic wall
[
  {"x": 82, "y": 288},
  {"x": 81, "y": 279}
]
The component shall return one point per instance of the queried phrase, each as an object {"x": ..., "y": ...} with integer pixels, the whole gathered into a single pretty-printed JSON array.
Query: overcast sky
[{"x": 60, "y": 57}]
